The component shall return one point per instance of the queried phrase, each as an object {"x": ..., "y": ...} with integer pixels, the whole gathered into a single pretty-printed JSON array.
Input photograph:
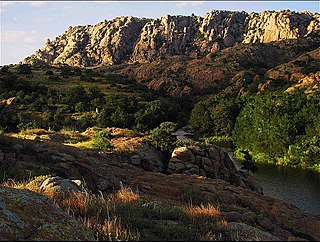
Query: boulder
[
  {"x": 135, "y": 160},
  {"x": 59, "y": 185},
  {"x": 151, "y": 159},
  {"x": 184, "y": 154},
  {"x": 211, "y": 162},
  {"x": 26, "y": 215}
]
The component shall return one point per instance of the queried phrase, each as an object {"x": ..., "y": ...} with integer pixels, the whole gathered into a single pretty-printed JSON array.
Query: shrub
[
  {"x": 24, "y": 69},
  {"x": 162, "y": 138},
  {"x": 101, "y": 140}
]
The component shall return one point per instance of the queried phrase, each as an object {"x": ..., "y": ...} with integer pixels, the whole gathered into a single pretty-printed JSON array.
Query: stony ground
[{"x": 249, "y": 212}]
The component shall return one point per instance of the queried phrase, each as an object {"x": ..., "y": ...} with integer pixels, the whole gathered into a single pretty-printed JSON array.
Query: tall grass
[{"x": 126, "y": 215}]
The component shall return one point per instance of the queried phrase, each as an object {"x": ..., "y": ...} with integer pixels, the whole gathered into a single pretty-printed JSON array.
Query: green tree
[
  {"x": 154, "y": 114},
  {"x": 215, "y": 116},
  {"x": 24, "y": 69},
  {"x": 162, "y": 138},
  {"x": 280, "y": 127}
]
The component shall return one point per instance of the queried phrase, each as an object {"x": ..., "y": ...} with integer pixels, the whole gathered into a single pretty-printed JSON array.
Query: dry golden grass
[
  {"x": 110, "y": 230},
  {"x": 32, "y": 185},
  {"x": 202, "y": 212},
  {"x": 94, "y": 212},
  {"x": 36, "y": 131},
  {"x": 125, "y": 195},
  {"x": 119, "y": 132},
  {"x": 126, "y": 143}
]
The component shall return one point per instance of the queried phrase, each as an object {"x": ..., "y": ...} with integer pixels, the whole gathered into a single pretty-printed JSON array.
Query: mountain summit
[{"x": 131, "y": 39}]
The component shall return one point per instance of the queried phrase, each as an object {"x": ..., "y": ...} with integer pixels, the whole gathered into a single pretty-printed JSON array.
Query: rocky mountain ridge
[{"x": 131, "y": 39}]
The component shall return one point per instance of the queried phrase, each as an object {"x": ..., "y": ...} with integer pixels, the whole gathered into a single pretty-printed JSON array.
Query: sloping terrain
[{"x": 110, "y": 171}]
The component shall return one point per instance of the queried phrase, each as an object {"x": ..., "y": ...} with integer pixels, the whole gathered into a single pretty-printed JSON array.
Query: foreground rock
[
  {"x": 109, "y": 172},
  {"x": 26, "y": 215}
]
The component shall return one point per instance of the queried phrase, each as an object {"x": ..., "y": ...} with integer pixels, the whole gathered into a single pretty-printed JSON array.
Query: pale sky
[{"x": 25, "y": 24}]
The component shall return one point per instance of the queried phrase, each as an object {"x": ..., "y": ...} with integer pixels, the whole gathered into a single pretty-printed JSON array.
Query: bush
[
  {"x": 101, "y": 140},
  {"x": 162, "y": 138},
  {"x": 24, "y": 69}
]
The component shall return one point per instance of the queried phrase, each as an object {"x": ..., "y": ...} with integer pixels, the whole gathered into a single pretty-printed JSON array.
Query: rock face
[
  {"x": 26, "y": 215},
  {"x": 130, "y": 39},
  {"x": 107, "y": 42},
  {"x": 214, "y": 163},
  {"x": 274, "y": 26}
]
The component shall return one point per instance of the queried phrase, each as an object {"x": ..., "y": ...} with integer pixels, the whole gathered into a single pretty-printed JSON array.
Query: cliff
[{"x": 130, "y": 39}]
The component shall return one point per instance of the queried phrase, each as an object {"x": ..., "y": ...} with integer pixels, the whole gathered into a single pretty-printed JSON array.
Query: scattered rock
[
  {"x": 135, "y": 160},
  {"x": 249, "y": 233}
]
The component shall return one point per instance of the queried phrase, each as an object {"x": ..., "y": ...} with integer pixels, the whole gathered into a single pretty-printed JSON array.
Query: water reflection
[{"x": 298, "y": 187}]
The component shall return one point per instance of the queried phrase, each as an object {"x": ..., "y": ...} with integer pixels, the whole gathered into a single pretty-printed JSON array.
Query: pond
[{"x": 298, "y": 187}]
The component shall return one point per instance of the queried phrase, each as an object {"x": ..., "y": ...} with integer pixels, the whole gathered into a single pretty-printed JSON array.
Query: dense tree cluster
[
  {"x": 215, "y": 116},
  {"x": 77, "y": 107},
  {"x": 274, "y": 127},
  {"x": 283, "y": 128}
]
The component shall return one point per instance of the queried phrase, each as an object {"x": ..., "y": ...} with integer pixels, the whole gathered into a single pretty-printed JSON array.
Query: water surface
[{"x": 298, "y": 187}]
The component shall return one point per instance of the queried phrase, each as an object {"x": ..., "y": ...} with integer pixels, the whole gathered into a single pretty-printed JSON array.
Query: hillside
[
  {"x": 223, "y": 52},
  {"x": 89, "y": 120},
  {"x": 147, "y": 203}
]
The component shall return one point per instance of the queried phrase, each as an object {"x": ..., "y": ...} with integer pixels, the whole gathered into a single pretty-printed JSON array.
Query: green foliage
[
  {"x": 304, "y": 153},
  {"x": 101, "y": 140},
  {"x": 75, "y": 95},
  {"x": 154, "y": 114},
  {"x": 85, "y": 122},
  {"x": 24, "y": 69},
  {"x": 215, "y": 116},
  {"x": 222, "y": 141},
  {"x": 4, "y": 69},
  {"x": 162, "y": 138},
  {"x": 283, "y": 128}
]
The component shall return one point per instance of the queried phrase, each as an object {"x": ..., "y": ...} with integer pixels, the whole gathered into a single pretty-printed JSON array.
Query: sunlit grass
[
  {"x": 126, "y": 215},
  {"x": 125, "y": 195},
  {"x": 203, "y": 212}
]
